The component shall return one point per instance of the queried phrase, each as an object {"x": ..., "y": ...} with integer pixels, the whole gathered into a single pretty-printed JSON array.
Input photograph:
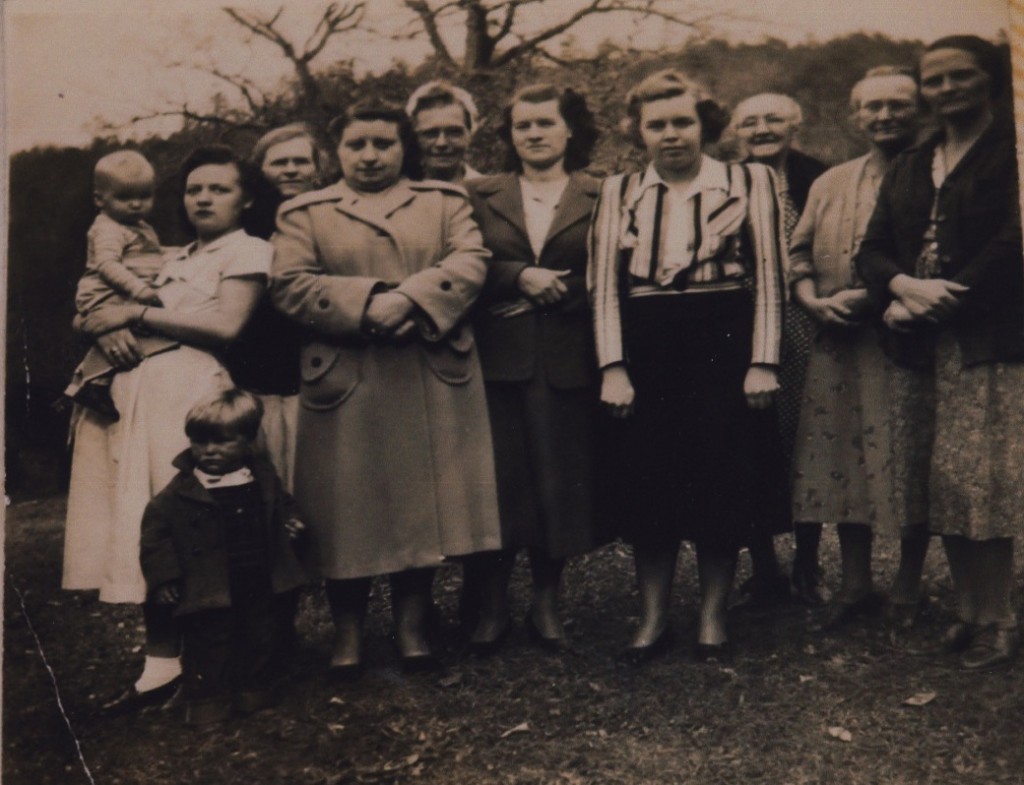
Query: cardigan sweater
[{"x": 979, "y": 238}]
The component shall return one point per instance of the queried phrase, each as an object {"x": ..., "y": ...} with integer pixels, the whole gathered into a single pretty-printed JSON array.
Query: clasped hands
[
  {"x": 389, "y": 315},
  {"x": 917, "y": 301},
  {"x": 618, "y": 396}
]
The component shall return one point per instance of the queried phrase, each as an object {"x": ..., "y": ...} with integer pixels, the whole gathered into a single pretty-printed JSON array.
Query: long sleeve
[
  {"x": 107, "y": 241},
  {"x": 302, "y": 289},
  {"x": 157, "y": 555},
  {"x": 801, "y": 246},
  {"x": 877, "y": 258},
  {"x": 444, "y": 292},
  {"x": 766, "y": 232},
  {"x": 603, "y": 274}
]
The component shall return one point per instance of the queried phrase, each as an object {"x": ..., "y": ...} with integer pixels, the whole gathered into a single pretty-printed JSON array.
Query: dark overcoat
[
  {"x": 183, "y": 539},
  {"x": 540, "y": 369},
  {"x": 556, "y": 340}
]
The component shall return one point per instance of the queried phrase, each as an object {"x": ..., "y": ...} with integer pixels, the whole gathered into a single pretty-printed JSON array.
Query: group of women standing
[{"x": 482, "y": 375}]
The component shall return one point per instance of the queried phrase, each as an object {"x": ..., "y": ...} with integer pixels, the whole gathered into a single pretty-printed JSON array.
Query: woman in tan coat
[{"x": 395, "y": 470}]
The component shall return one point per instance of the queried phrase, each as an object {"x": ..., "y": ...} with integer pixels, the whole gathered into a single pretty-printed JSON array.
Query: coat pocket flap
[
  {"x": 329, "y": 375},
  {"x": 317, "y": 360}
]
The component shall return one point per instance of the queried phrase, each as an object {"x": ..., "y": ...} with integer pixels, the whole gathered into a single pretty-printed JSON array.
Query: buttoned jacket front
[
  {"x": 184, "y": 539},
  {"x": 554, "y": 340}
]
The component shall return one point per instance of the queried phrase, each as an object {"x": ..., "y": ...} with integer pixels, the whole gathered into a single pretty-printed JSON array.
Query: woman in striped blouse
[{"x": 686, "y": 283}]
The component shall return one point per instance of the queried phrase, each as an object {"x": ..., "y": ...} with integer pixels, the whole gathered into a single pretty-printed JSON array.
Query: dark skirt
[
  {"x": 694, "y": 462},
  {"x": 544, "y": 455}
]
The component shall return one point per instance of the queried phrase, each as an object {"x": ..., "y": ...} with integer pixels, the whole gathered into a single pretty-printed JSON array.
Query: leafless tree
[
  {"x": 336, "y": 19},
  {"x": 496, "y": 32}
]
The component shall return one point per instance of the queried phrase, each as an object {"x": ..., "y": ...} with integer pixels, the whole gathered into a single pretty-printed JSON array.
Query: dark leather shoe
[
  {"x": 807, "y": 586},
  {"x": 993, "y": 647},
  {"x": 762, "y": 593},
  {"x": 713, "y": 653},
  {"x": 958, "y": 637},
  {"x": 207, "y": 712},
  {"x": 131, "y": 700},
  {"x": 420, "y": 663},
  {"x": 635, "y": 656},
  {"x": 903, "y": 616},
  {"x": 345, "y": 672},
  {"x": 840, "y": 613},
  {"x": 551, "y": 645},
  {"x": 484, "y": 649}
]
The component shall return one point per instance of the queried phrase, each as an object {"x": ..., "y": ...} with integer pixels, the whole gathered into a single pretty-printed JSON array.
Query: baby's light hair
[
  {"x": 230, "y": 411},
  {"x": 121, "y": 166}
]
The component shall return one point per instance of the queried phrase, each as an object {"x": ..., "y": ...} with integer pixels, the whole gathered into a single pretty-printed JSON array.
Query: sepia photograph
[{"x": 512, "y": 392}]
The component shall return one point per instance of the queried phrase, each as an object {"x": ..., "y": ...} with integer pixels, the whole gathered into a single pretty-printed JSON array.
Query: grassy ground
[{"x": 523, "y": 717}]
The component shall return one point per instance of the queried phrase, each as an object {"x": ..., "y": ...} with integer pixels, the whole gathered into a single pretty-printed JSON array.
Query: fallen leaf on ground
[
  {"x": 805, "y": 679},
  {"x": 920, "y": 699},
  {"x": 837, "y": 732},
  {"x": 522, "y": 727},
  {"x": 451, "y": 681},
  {"x": 335, "y": 727}
]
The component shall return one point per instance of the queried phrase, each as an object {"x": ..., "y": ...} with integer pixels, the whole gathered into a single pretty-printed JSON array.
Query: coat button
[
  {"x": 446, "y": 285},
  {"x": 323, "y": 302},
  {"x": 316, "y": 362}
]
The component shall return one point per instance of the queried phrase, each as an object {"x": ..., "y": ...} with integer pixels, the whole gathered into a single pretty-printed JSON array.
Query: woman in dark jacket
[
  {"x": 536, "y": 348},
  {"x": 943, "y": 254}
]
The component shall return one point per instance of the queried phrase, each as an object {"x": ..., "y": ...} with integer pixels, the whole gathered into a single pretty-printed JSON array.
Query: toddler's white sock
[{"x": 157, "y": 672}]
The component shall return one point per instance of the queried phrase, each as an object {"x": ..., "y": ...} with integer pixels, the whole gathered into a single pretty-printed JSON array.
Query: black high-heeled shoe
[
  {"x": 484, "y": 649},
  {"x": 635, "y": 656},
  {"x": 713, "y": 653},
  {"x": 552, "y": 645}
]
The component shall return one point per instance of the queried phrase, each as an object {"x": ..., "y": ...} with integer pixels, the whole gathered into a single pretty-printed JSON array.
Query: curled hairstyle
[
  {"x": 120, "y": 166},
  {"x": 986, "y": 55},
  {"x": 249, "y": 177},
  {"x": 714, "y": 118},
  {"x": 229, "y": 412},
  {"x": 371, "y": 109},
  {"x": 437, "y": 93},
  {"x": 285, "y": 133},
  {"x": 572, "y": 106}
]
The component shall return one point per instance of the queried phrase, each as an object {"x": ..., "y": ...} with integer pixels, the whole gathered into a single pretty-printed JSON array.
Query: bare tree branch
[
  {"x": 198, "y": 117},
  {"x": 335, "y": 20},
  {"x": 428, "y": 18}
]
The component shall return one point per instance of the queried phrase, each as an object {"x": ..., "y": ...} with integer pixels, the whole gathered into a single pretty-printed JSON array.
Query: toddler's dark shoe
[
  {"x": 252, "y": 701},
  {"x": 131, "y": 700},
  {"x": 207, "y": 712}
]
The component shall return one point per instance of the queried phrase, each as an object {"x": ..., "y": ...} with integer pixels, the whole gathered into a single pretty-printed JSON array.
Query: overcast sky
[{"x": 72, "y": 63}]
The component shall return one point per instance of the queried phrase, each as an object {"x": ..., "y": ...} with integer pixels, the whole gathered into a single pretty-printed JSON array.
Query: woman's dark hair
[
  {"x": 572, "y": 106},
  {"x": 714, "y": 118},
  {"x": 249, "y": 177},
  {"x": 372, "y": 109},
  {"x": 987, "y": 55}
]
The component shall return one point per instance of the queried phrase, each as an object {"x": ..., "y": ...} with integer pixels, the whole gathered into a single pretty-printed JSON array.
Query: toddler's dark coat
[{"x": 183, "y": 539}]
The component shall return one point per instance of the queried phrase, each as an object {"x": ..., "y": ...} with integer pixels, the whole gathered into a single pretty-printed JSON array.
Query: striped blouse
[{"x": 722, "y": 232}]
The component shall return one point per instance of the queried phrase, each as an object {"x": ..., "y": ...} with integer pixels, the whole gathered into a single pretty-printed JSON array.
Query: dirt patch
[{"x": 524, "y": 717}]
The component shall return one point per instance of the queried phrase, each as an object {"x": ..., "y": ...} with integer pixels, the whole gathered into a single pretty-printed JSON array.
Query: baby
[
  {"x": 124, "y": 257},
  {"x": 217, "y": 543}
]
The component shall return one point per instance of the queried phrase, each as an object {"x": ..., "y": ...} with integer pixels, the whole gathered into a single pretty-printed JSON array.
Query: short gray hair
[{"x": 793, "y": 110}]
